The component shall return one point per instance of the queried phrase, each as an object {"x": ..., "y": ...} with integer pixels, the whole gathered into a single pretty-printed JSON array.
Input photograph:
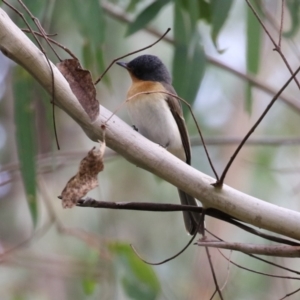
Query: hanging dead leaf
[
  {"x": 81, "y": 84},
  {"x": 86, "y": 178}
]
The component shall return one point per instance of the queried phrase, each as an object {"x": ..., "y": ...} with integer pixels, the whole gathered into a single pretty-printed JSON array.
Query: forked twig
[
  {"x": 53, "y": 42},
  {"x": 260, "y": 259},
  {"x": 43, "y": 51},
  {"x": 276, "y": 48}
]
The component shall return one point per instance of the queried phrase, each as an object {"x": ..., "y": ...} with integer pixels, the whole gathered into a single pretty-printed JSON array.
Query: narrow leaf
[
  {"x": 293, "y": 7},
  {"x": 219, "y": 13},
  {"x": 146, "y": 16},
  {"x": 253, "y": 51},
  {"x": 89, "y": 284},
  {"x": 25, "y": 137},
  {"x": 91, "y": 19},
  {"x": 205, "y": 10},
  {"x": 139, "y": 280},
  {"x": 188, "y": 61}
]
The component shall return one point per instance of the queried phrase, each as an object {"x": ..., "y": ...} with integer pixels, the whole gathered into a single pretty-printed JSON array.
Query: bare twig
[
  {"x": 128, "y": 54},
  {"x": 290, "y": 294},
  {"x": 200, "y": 228},
  {"x": 260, "y": 259},
  {"x": 169, "y": 258},
  {"x": 281, "y": 24},
  {"x": 269, "y": 250},
  {"x": 43, "y": 51},
  {"x": 40, "y": 28},
  {"x": 256, "y": 272},
  {"x": 257, "y": 141},
  {"x": 276, "y": 48},
  {"x": 53, "y": 42},
  {"x": 228, "y": 272},
  {"x": 213, "y": 273},
  {"x": 221, "y": 181}
]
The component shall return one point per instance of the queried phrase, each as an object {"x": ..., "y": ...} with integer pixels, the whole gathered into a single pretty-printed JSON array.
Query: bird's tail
[{"x": 191, "y": 219}]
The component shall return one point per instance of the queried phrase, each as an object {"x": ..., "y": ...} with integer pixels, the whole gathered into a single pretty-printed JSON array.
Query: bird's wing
[{"x": 176, "y": 109}]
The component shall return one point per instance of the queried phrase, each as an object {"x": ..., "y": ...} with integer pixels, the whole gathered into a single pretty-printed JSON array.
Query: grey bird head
[{"x": 148, "y": 68}]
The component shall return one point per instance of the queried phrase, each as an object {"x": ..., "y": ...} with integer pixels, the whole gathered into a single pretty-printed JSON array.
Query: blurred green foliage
[
  {"x": 253, "y": 51},
  {"x": 96, "y": 36},
  {"x": 138, "y": 279},
  {"x": 26, "y": 136}
]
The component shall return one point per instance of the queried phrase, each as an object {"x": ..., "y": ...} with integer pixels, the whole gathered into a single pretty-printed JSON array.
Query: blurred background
[{"x": 225, "y": 66}]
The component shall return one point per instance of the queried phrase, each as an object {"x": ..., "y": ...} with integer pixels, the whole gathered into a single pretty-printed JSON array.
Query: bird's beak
[{"x": 122, "y": 64}]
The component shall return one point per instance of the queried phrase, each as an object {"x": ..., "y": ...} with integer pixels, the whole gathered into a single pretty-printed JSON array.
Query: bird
[{"x": 159, "y": 117}]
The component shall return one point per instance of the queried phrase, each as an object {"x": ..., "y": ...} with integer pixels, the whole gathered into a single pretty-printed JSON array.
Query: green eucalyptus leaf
[
  {"x": 293, "y": 7},
  {"x": 25, "y": 136},
  {"x": 193, "y": 10},
  {"x": 90, "y": 19},
  {"x": 139, "y": 280},
  {"x": 87, "y": 55},
  {"x": 132, "y": 5},
  {"x": 219, "y": 14},
  {"x": 188, "y": 61},
  {"x": 205, "y": 10},
  {"x": 89, "y": 284},
  {"x": 146, "y": 16},
  {"x": 253, "y": 51},
  {"x": 201, "y": 8}
]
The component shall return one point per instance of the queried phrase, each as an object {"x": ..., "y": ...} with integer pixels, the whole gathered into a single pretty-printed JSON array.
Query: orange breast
[{"x": 139, "y": 86}]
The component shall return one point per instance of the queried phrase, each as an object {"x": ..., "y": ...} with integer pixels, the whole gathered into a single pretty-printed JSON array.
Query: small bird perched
[{"x": 159, "y": 116}]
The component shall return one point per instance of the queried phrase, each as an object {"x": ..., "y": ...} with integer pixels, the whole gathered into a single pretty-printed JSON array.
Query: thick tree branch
[{"x": 140, "y": 151}]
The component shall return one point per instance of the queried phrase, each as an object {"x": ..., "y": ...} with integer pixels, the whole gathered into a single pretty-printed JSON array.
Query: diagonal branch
[{"x": 139, "y": 150}]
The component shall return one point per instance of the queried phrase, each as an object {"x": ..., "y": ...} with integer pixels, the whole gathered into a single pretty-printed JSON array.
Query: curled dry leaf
[
  {"x": 81, "y": 84},
  {"x": 86, "y": 178}
]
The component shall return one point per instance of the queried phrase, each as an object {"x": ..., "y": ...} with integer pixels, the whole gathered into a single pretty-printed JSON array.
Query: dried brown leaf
[
  {"x": 81, "y": 84},
  {"x": 86, "y": 178}
]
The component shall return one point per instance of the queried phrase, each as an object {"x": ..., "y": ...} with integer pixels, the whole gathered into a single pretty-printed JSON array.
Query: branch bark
[{"x": 139, "y": 150}]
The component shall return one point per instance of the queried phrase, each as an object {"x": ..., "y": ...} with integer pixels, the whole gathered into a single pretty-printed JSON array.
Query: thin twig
[
  {"x": 128, "y": 54},
  {"x": 268, "y": 250},
  {"x": 290, "y": 294},
  {"x": 260, "y": 259},
  {"x": 276, "y": 48},
  {"x": 44, "y": 52},
  {"x": 213, "y": 273},
  {"x": 53, "y": 42},
  {"x": 256, "y": 272},
  {"x": 274, "y": 24},
  {"x": 221, "y": 181},
  {"x": 40, "y": 28},
  {"x": 42, "y": 31},
  {"x": 228, "y": 272},
  {"x": 173, "y": 256},
  {"x": 212, "y": 296},
  {"x": 281, "y": 24}
]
